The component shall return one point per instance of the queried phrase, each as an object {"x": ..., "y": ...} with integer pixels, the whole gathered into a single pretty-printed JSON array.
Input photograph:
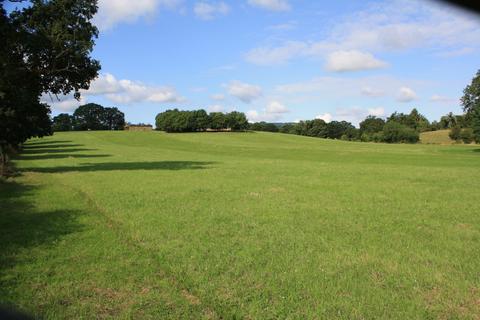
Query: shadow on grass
[
  {"x": 50, "y": 146},
  {"x": 110, "y": 166},
  {"x": 35, "y": 143},
  {"x": 476, "y": 150},
  {"x": 51, "y": 150},
  {"x": 23, "y": 226},
  {"x": 60, "y": 156}
]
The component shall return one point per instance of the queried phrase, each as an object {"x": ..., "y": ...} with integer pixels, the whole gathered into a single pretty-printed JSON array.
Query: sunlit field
[{"x": 240, "y": 225}]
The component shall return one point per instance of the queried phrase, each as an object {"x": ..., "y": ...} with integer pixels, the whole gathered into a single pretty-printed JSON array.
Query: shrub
[
  {"x": 396, "y": 132},
  {"x": 467, "y": 135},
  {"x": 455, "y": 133}
]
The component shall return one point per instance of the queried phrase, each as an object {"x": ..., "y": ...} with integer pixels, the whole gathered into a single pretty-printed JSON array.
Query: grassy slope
[
  {"x": 436, "y": 137},
  {"x": 255, "y": 225}
]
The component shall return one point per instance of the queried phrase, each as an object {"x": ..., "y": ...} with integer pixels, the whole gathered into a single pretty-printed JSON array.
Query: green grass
[
  {"x": 436, "y": 137},
  {"x": 240, "y": 225}
]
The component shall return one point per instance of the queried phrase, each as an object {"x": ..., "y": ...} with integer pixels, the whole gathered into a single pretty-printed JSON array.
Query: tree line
[
  {"x": 45, "y": 48},
  {"x": 90, "y": 116},
  {"x": 199, "y": 120}
]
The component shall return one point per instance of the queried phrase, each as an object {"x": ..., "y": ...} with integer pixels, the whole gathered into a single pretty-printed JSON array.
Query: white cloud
[
  {"x": 273, "y": 5},
  {"x": 127, "y": 91},
  {"x": 63, "y": 103},
  {"x": 218, "y": 96},
  {"x": 384, "y": 27},
  {"x": 353, "y": 115},
  {"x": 406, "y": 94},
  {"x": 276, "y": 107},
  {"x": 371, "y": 92},
  {"x": 244, "y": 91},
  {"x": 215, "y": 108},
  {"x": 327, "y": 117},
  {"x": 209, "y": 10},
  {"x": 112, "y": 12},
  {"x": 352, "y": 60},
  {"x": 377, "y": 112}
]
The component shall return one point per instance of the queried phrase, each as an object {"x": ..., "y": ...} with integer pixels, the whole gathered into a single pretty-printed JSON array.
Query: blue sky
[{"x": 282, "y": 60}]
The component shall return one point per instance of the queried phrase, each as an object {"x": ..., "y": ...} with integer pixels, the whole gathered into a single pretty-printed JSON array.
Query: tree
[
  {"x": 113, "y": 119},
  {"x": 475, "y": 112},
  {"x": 62, "y": 122},
  {"x": 471, "y": 94},
  {"x": 45, "y": 48},
  {"x": 236, "y": 121},
  {"x": 264, "y": 126},
  {"x": 336, "y": 129},
  {"x": 89, "y": 116},
  {"x": 371, "y": 125},
  {"x": 217, "y": 120}
]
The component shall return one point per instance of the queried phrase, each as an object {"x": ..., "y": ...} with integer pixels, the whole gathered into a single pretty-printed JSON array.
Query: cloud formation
[
  {"x": 276, "y": 107},
  {"x": 127, "y": 91},
  {"x": 352, "y": 60},
  {"x": 210, "y": 10},
  {"x": 383, "y": 27},
  {"x": 112, "y": 12},
  {"x": 406, "y": 94},
  {"x": 272, "y": 5},
  {"x": 244, "y": 91}
]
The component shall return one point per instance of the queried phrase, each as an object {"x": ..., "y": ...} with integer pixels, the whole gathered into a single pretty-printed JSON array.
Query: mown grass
[{"x": 240, "y": 225}]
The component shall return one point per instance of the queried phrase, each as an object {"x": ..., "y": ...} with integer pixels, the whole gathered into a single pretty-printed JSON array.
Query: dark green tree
[
  {"x": 45, "y": 48},
  {"x": 89, "y": 116},
  {"x": 62, "y": 122},
  {"x": 471, "y": 94},
  {"x": 371, "y": 124},
  {"x": 236, "y": 121},
  {"x": 217, "y": 121}
]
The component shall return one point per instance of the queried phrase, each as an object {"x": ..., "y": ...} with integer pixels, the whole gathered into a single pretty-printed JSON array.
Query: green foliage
[
  {"x": 371, "y": 125},
  {"x": 475, "y": 113},
  {"x": 198, "y": 120},
  {"x": 336, "y": 129},
  {"x": 218, "y": 120},
  {"x": 471, "y": 94},
  {"x": 394, "y": 132},
  {"x": 62, "y": 122},
  {"x": 455, "y": 133},
  {"x": 413, "y": 120},
  {"x": 45, "y": 47},
  {"x": 92, "y": 116},
  {"x": 467, "y": 135},
  {"x": 264, "y": 126},
  {"x": 236, "y": 121}
]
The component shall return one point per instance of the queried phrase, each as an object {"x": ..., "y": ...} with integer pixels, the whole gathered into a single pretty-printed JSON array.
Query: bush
[
  {"x": 467, "y": 135},
  {"x": 455, "y": 133},
  {"x": 395, "y": 132}
]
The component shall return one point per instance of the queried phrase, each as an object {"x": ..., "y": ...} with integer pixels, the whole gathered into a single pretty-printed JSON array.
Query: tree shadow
[
  {"x": 50, "y": 146},
  {"x": 476, "y": 150},
  {"x": 36, "y": 151},
  {"x": 111, "y": 166},
  {"x": 60, "y": 156},
  {"x": 22, "y": 225},
  {"x": 35, "y": 143}
]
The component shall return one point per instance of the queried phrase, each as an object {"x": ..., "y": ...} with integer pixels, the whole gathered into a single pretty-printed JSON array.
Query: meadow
[{"x": 240, "y": 226}]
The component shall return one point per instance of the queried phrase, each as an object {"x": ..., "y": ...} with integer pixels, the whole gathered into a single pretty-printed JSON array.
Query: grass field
[{"x": 240, "y": 225}]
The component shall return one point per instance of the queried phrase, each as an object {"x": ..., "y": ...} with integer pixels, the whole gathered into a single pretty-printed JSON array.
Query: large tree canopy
[{"x": 45, "y": 49}]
